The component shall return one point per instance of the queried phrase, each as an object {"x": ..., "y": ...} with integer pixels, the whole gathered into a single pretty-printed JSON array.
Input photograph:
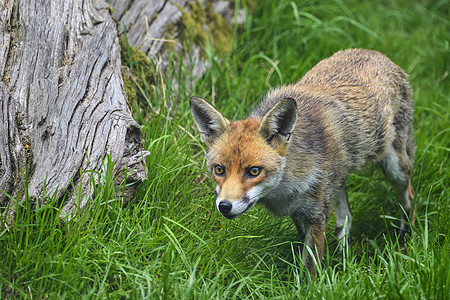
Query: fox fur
[{"x": 296, "y": 149}]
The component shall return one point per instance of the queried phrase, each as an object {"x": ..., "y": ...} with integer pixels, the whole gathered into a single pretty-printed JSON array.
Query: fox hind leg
[{"x": 397, "y": 167}]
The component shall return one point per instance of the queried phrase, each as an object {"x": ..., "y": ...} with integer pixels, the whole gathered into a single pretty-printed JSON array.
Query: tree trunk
[{"x": 62, "y": 106}]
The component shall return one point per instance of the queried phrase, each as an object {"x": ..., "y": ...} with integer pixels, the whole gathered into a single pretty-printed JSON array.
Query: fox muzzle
[{"x": 233, "y": 209}]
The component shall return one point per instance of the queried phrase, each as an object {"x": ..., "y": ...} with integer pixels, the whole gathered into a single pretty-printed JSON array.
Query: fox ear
[
  {"x": 278, "y": 124},
  {"x": 210, "y": 122}
]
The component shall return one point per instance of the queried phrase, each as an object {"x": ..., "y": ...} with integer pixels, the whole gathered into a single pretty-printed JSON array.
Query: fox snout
[{"x": 233, "y": 209}]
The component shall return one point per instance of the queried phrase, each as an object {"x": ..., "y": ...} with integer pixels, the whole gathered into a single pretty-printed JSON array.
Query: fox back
[{"x": 296, "y": 149}]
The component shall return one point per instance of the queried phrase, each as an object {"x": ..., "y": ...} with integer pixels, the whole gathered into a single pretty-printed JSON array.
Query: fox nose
[{"x": 225, "y": 207}]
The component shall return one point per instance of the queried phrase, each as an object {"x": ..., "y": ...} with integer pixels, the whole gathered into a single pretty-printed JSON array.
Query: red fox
[{"x": 296, "y": 149}]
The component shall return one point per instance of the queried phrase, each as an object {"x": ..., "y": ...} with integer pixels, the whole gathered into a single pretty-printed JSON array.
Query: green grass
[{"x": 170, "y": 242}]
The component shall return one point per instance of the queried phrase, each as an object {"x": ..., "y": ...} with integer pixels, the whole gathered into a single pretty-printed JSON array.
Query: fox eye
[
  {"x": 254, "y": 171},
  {"x": 219, "y": 170}
]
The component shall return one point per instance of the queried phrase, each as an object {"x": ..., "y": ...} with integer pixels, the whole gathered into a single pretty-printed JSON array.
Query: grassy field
[{"x": 170, "y": 242}]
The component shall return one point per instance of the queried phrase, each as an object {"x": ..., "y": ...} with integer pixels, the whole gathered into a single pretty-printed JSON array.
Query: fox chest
[{"x": 283, "y": 201}]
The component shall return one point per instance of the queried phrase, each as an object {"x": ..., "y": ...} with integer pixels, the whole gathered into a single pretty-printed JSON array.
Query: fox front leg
[{"x": 314, "y": 241}]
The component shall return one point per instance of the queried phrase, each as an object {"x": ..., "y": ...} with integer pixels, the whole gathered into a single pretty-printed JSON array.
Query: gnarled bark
[{"x": 62, "y": 104}]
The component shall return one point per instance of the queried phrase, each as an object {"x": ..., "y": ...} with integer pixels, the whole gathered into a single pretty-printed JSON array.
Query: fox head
[{"x": 246, "y": 158}]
